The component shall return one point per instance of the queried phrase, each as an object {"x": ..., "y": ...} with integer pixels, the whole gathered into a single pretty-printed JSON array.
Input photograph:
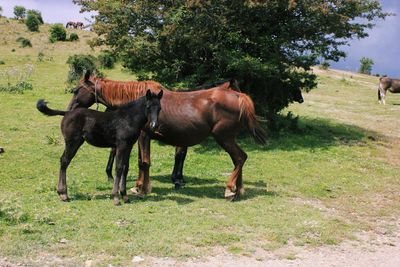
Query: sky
[{"x": 382, "y": 45}]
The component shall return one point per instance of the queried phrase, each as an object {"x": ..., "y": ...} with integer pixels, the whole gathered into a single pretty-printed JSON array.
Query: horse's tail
[
  {"x": 379, "y": 95},
  {"x": 42, "y": 107},
  {"x": 248, "y": 114}
]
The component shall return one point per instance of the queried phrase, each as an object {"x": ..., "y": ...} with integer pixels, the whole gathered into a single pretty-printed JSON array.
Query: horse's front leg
[
  {"x": 177, "y": 173},
  {"x": 110, "y": 165},
  {"x": 143, "y": 182}
]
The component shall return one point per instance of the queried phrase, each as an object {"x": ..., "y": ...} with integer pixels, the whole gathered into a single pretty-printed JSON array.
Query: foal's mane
[{"x": 120, "y": 92}]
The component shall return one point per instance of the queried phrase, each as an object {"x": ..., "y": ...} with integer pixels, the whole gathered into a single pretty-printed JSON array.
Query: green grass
[{"x": 316, "y": 186}]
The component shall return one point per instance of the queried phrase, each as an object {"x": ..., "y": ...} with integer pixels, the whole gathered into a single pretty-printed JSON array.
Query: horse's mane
[
  {"x": 209, "y": 85},
  {"x": 120, "y": 92}
]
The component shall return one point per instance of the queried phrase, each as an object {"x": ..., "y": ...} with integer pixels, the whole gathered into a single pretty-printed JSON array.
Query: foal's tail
[
  {"x": 42, "y": 107},
  {"x": 248, "y": 114}
]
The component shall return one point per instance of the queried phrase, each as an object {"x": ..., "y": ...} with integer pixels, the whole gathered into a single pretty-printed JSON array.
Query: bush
[
  {"x": 78, "y": 64},
  {"x": 52, "y": 39},
  {"x": 36, "y": 13},
  {"x": 19, "y": 12},
  {"x": 366, "y": 65},
  {"x": 324, "y": 65},
  {"x": 40, "y": 56},
  {"x": 58, "y": 33},
  {"x": 32, "y": 22},
  {"x": 24, "y": 42},
  {"x": 2, "y": 62},
  {"x": 73, "y": 37},
  {"x": 15, "y": 80},
  {"x": 107, "y": 59}
]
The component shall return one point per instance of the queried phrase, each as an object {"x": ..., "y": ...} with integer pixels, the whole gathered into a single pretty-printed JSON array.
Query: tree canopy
[{"x": 269, "y": 46}]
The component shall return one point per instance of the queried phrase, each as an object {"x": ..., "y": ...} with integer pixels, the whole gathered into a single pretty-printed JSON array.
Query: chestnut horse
[{"x": 186, "y": 119}]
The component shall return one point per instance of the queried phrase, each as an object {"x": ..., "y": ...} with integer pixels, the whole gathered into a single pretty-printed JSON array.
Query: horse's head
[
  {"x": 296, "y": 95},
  {"x": 84, "y": 94},
  {"x": 153, "y": 108}
]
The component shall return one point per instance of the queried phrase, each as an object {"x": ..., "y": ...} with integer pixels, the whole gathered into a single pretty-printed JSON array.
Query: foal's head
[
  {"x": 153, "y": 108},
  {"x": 84, "y": 94}
]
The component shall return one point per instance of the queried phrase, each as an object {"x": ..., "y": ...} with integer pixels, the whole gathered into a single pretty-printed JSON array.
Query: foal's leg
[
  {"x": 122, "y": 161},
  {"x": 143, "y": 182},
  {"x": 234, "y": 185},
  {"x": 110, "y": 164},
  {"x": 71, "y": 147},
  {"x": 125, "y": 169},
  {"x": 177, "y": 173}
]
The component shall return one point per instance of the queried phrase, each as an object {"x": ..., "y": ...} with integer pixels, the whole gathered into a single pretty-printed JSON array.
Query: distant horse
[
  {"x": 78, "y": 25},
  {"x": 70, "y": 24},
  {"x": 118, "y": 129},
  {"x": 186, "y": 119},
  {"x": 385, "y": 84}
]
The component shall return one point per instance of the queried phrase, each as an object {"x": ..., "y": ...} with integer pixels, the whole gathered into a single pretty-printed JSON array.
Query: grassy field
[{"x": 336, "y": 175}]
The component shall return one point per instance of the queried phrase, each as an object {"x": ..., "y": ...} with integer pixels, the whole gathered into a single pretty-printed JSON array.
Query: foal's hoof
[
  {"x": 64, "y": 197},
  {"x": 126, "y": 199},
  {"x": 117, "y": 202},
  {"x": 110, "y": 179},
  {"x": 178, "y": 186}
]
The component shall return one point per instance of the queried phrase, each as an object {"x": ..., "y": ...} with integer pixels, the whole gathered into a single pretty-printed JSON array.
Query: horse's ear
[
  {"x": 87, "y": 75},
  {"x": 233, "y": 83},
  {"x": 160, "y": 94},
  {"x": 148, "y": 94}
]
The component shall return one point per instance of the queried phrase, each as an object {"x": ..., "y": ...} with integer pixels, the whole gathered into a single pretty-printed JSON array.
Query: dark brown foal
[{"x": 118, "y": 129}]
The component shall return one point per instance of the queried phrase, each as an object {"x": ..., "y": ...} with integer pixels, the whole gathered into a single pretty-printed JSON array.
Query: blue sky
[{"x": 382, "y": 45}]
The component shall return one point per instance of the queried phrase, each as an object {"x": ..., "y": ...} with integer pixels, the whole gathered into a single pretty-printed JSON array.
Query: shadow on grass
[
  {"x": 203, "y": 188},
  {"x": 311, "y": 134}
]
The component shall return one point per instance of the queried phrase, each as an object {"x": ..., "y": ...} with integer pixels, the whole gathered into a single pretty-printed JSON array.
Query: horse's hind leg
[
  {"x": 177, "y": 173},
  {"x": 71, "y": 147},
  {"x": 234, "y": 185},
  {"x": 110, "y": 165}
]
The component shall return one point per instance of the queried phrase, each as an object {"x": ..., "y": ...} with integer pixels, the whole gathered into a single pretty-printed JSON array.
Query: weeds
[{"x": 16, "y": 80}]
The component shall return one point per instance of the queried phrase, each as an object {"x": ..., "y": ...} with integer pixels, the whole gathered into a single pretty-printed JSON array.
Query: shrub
[
  {"x": 58, "y": 33},
  {"x": 40, "y": 56},
  {"x": 2, "y": 62},
  {"x": 366, "y": 65},
  {"x": 324, "y": 65},
  {"x": 78, "y": 64},
  {"x": 36, "y": 13},
  {"x": 19, "y": 12},
  {"x": 73, "y": 37},
  {"x": 107, "y": 59},
  {"x": 32, "y": 22},
  {"x": 52, "y": 39},
  {"x": 24, "y": 42}
]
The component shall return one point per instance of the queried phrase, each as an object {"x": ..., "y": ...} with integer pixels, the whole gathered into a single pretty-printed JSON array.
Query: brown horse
[
  {"x": 186, "y": 119},
  {"x": 385, "y": 84}
]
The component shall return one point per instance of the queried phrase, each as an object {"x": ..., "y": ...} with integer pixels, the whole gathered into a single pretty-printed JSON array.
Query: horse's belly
[{"x": 182, "y": 137}]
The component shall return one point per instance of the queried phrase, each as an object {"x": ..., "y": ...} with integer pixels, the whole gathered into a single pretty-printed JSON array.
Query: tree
[
  {"x": 36, "y": 13},
  {"x": 58, "y": 33},
  {"x": 1, "y": 11},
  {"x": 269, "y": 46},
  {"x": 366, "y": 65},
  {"x": 32, "y": 22},
  {"x": 19, "y": 12}
]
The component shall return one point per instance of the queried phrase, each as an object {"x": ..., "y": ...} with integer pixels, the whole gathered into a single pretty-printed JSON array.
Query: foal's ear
[
  {"x": 87, "y": 75},
  {"x": 160, "y": 94},
  {"x": 148, "y": 94}
]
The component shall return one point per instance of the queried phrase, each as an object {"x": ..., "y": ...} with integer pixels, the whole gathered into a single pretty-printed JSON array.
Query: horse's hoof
[
  {"x": 178, "y": 186},
  {"x": 135, "y": 190},
  {"x": 110, "y": 179},
  {"x": 229, "y": 194},
  {"x": 241, "y": 191}
]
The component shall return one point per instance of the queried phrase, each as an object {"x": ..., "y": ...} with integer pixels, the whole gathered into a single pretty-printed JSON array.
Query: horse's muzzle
[{"x": 153, "y": 126}]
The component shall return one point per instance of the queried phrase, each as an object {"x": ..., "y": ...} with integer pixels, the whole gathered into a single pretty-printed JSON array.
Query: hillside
[{"x": 330, "y": 185}]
